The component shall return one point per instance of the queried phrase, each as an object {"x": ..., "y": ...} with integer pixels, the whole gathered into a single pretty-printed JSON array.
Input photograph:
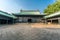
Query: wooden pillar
[
  {"x": 0, "y": 21},
  {"x": 22, "y": 19},
  {"x": 58, "y": 21},
  {"x": 51, "y": 20},
  {"x": 13, "y": 21},
  {"x": 7, "y": 21},
  {"x": 45, "y": 21}
]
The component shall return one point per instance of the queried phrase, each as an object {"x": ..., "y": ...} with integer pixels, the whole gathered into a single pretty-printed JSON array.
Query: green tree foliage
[{"x": 52, "y": 8}]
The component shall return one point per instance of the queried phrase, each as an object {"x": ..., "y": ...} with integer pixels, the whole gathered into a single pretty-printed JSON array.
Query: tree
[{"x": 55, "y": 7}]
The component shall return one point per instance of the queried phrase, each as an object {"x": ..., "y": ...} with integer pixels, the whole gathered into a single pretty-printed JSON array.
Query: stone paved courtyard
[{"x": 25, "y": 31}]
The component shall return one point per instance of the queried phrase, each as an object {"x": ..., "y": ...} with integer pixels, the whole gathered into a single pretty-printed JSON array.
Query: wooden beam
[{"x": 53, "y": 18}]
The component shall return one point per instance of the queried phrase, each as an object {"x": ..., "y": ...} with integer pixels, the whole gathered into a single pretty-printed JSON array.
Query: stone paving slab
[
  {"x": 42, "y": 25},
  {"x": 26, "y": 32}
]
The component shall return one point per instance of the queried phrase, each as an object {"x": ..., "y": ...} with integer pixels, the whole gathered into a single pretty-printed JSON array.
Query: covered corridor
[
  {"x": 53, "y": 18},
  {"x": 6, "y": 18}
]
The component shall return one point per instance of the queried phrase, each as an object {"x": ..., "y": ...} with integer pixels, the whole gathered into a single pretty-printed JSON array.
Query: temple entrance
[{"x": 29, "y": 20}]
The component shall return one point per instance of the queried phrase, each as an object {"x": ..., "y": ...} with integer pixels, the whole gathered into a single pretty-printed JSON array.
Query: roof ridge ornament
[{"x": 29, "y": 10}]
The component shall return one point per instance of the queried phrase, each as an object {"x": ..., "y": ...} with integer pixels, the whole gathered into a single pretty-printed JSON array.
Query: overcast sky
[{"x": 14, "y": 6}]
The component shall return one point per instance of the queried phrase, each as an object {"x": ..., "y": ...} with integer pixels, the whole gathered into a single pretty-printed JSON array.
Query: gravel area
[{"x": 24, "y": 31}]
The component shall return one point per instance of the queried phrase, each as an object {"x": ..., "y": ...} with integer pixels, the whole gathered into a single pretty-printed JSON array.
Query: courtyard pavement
[
  {"x": 25, "y": 31},
  {"x": 42, "y": 25}
]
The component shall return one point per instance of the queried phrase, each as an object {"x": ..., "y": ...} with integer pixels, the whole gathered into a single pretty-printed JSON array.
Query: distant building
[{"x": 30, "y": 16}]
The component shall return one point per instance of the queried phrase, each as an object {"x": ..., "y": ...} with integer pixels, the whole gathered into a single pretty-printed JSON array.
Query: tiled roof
[
  {"x": 6, "y": 14},
  {"x": 52, "y": 15},
  {"x": 28, "y": 12}
]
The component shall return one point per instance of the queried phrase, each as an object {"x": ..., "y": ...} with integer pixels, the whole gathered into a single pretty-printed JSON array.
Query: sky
[{"x": 14, "y": 6}]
